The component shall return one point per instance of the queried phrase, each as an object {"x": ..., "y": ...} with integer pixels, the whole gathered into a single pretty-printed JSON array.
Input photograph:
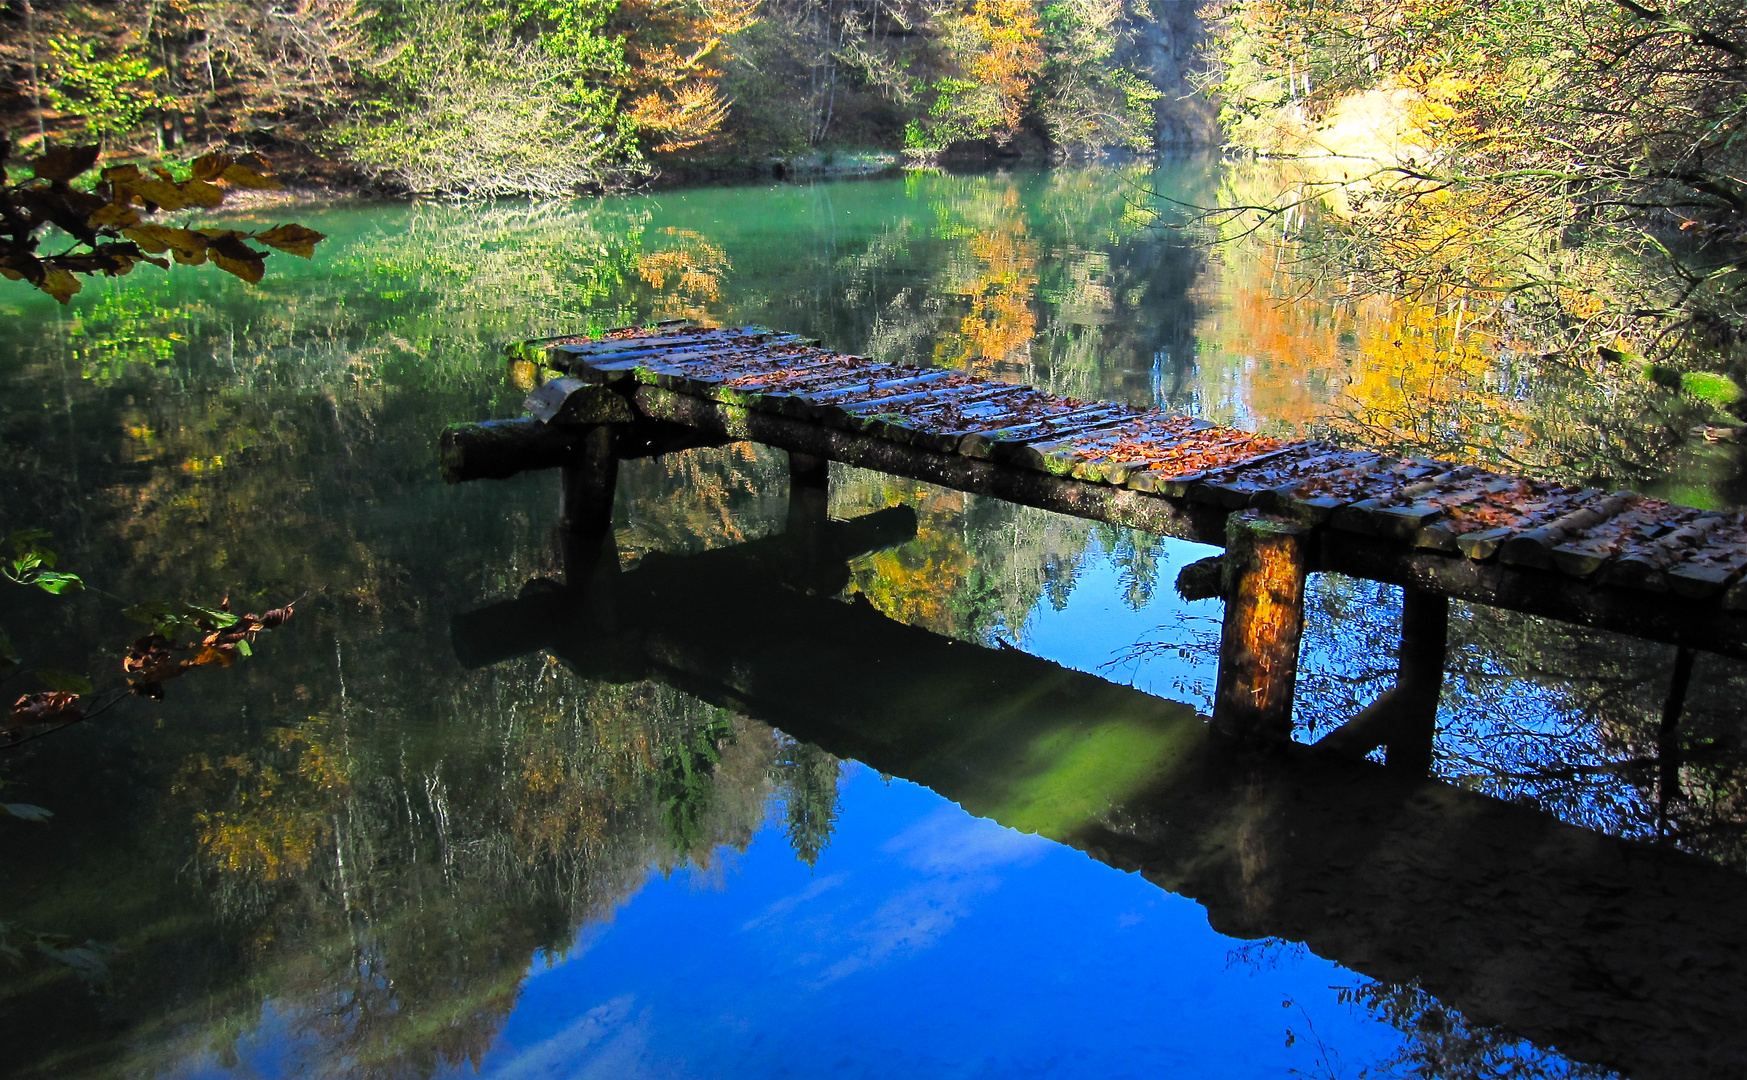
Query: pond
[{"x": 957, "y": 843}]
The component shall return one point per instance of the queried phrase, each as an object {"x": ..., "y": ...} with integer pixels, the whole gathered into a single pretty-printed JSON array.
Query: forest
[
  {"x": 548, "y": 97},
  {"x": 1567, "y": 172}
]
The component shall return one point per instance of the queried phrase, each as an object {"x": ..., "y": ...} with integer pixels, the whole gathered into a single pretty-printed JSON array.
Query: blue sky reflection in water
[{"x": 926, "y": 943}]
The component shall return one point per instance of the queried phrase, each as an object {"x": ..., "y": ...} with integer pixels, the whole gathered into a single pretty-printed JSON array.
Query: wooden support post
[
  {"x": 585, "y": 523},
  {"x": 1668, "y": 756},
  {"x": 586, "y": 503},
  {"x": 1266, "y": 560},
  {"x": 809, "y": 489},
  {"x": 1404, "y": 718},
  {"x": 809, "y": 495},
  {"x": 1419, "y": 680}
]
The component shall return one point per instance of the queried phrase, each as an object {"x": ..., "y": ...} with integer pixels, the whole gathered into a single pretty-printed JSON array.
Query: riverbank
[{"x": 308, "y": 179}]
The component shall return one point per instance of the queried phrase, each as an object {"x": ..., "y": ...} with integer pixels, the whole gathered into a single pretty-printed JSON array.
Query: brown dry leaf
[
  {"x": 59, "y": 284},
  {"x": 111, "y": 259},
  {"x": 148, "y": 664},
  {"x": 43, "y": 708},
  {"x": 210, "y": 166},
  {"x": 233, "y": 256},
  {"x": 21, "y": 267},
  {"x": 64, "y": 162},
  {"x": 292, "y": 239},
  {"x": 158, "y": 239},
  {"x": 274, "y": 618}
]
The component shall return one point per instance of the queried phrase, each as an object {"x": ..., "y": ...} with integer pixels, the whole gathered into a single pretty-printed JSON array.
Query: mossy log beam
[
  {"x": 1202, "y": 579},
  {"x": 500, "y": 449},
  {"x": 979, "y": 476},
  {"x": 1655, "y": 616}
]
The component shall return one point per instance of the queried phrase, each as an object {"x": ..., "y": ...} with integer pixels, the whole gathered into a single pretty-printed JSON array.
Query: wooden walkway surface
[{"x": 1615, "y": 560}]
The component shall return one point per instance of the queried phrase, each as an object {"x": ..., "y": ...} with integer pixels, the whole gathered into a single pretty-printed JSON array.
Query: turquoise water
[{"x": 352, "y": 855}]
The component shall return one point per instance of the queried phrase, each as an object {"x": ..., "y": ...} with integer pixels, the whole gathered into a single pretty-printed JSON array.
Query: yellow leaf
[
  {"x": 165, "y": 195},
  {"x": 250, "y": 270},
  {"x": 114, "y": 214},
  {"x": 60, "y": 284},
  {"x": 293, "y": 239},
  {"x": 211, "y": 655},
  {"x": 201, "y": 193},
  {"x": 243, "y": 176},
  {"x": 235, "y": 257}
]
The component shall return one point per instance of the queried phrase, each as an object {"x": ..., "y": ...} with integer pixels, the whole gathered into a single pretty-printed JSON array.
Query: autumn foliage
[
  {"x": 549, "y": 97},
  {"x": 1570, "y": 173},
  {"x": 108, "y": 223}
]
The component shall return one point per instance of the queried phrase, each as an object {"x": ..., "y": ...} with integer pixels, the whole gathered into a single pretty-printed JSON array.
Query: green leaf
[
  {"x": 20, "y": 539},
  {"x": 55, "y": 582},
  {"x": 219, "y": 620},
  {"x": 162, "y": 616},
  {"x": 26, "y": 811},
  {"x": 64, "y": 682}
]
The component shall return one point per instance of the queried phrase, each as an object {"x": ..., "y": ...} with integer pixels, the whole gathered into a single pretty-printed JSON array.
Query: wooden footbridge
[{"x": 1618, "y": 561}]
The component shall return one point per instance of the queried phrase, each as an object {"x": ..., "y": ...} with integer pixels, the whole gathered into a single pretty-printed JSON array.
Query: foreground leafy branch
[
  {"x": 107, "y": 225},
  {"x": 182, "y": 637}
]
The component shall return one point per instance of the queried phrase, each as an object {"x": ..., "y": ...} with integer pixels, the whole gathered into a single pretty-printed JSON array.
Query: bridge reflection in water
[{"x": 1612, "y": 952}]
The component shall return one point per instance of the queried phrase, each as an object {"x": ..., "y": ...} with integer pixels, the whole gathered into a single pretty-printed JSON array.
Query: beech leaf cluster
[{"x": 107, "y": 224}]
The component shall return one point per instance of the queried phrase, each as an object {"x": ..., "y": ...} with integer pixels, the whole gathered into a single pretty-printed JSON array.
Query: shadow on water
[{"x": 1613, "y": 952}]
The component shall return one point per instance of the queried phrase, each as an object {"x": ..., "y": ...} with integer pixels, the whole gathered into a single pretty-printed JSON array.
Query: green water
[{"x": 352, "y": 855}]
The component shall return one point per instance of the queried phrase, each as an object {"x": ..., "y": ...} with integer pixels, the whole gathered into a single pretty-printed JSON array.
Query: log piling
[{"x": 1266, "y": 561}]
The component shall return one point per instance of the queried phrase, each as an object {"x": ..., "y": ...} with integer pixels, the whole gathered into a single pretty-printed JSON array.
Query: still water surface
[{"x": 355, "y": 855}]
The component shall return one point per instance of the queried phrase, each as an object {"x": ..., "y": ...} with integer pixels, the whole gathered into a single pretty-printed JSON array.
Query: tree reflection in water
[{"x": 373, "y": 846}]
